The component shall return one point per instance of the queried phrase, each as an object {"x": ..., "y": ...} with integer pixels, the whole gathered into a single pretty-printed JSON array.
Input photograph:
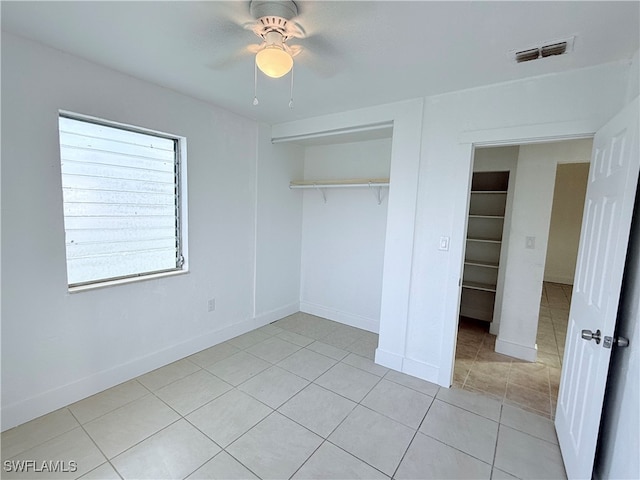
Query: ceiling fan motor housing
[
  {"x": 274, "y": 16},
  {"x": 286, "y": 9}
]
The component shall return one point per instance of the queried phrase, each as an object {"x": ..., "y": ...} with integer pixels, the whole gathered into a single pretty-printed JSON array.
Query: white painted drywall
[
  {"x": 343, "y": 239},
  {"x": 633, "y": 85},
  {"x": 279, "y": 228},
  {"x": 524, "y": 268},
  {"x": 566, "y": 222},
  {"x": 59, "y": 347}
]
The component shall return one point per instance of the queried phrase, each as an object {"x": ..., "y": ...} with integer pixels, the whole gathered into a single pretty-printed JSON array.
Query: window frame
[{"x": 181, "y": 210}]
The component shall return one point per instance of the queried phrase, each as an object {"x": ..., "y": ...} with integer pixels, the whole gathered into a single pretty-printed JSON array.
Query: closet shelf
[
  {"x": 478, "y": 263},
  {"x": 485, "y": 230},
  {"x": 346, "y": 183},
  {"x": 376, "y": 183},
  {"x": 484, "y": 287},
  {"x": 492, "y": 217},
  {"x": 483, "y": 240}
]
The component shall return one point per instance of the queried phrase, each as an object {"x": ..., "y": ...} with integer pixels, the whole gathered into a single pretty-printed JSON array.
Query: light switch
[
  {"x": 444, "y": 243},
  {"x": 530, "y": 242}
]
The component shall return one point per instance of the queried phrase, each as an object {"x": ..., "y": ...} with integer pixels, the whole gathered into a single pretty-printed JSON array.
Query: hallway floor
[
  {"x": 300, "y": 398},
  {"x": 529, "y": 386}
]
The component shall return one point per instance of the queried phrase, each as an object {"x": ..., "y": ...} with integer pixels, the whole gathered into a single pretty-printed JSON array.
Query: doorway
[{"x": 558, "y": 185}]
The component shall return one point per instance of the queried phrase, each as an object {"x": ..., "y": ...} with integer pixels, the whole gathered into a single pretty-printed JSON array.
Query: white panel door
[{"x": 611, "y": 189}]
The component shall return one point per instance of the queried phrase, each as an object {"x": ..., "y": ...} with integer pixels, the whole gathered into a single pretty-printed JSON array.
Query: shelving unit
[
  {"x": 377, "y": 184},
  {"x": 485, "y": 227}
]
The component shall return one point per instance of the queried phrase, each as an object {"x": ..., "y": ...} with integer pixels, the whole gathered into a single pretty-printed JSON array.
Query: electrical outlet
[{"x": 212, "y": 304}]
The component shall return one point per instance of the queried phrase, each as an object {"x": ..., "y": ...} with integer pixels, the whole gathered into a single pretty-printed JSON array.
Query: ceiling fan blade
[
  {"x": 321, "y": 56},
  {"x": 321, "y": 46},
  {"x": 323, "y": 66},
  {"x": 255, "y": 48},
  {"x": 236, "y": 13},
  {"x": 225, "y": 27},
  {"x": 295, "y": 30},
  {"x": 293, "y": 50},
  {"x": 236, "y": 57}
]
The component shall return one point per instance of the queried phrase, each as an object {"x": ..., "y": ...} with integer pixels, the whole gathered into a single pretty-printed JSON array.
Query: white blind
[{"x": 120, "y": 192}]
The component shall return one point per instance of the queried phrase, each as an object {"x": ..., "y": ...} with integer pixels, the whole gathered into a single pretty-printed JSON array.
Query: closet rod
[
  {"x": 376, "y": 184},
  {"x": 335, "y": 131},
  {"x": 340, "y": 185}
]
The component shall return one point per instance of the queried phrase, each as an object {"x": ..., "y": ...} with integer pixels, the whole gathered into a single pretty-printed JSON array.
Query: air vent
[
  {"x": 555, "y": 49},
  {"x": 527, "y": 55},
  {"x": 551, "y": 49}
]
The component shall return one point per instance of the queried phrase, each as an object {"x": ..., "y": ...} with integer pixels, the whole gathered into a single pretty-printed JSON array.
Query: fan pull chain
[
  {"x": 291, "y": 96},
  {"x": 255, "y": 84}
]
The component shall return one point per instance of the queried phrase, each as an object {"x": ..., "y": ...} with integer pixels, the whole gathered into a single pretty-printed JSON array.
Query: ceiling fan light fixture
[{"x": 274, "y": 61}]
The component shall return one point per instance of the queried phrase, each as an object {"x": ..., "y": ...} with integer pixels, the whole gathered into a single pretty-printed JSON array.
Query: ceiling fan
[
  {"x": 275, "y": 26},
  {"x": 277, "y": 23}
]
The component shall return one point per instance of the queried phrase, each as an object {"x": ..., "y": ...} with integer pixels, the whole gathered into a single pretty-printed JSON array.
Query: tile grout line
[
  {"x": 98, "y": 447},
  {"x": 276, "y": 409},
  {"x": 495, "y": 449},
  {"x": 47, "y": 440},
  {"x": 395, "y": 472}
]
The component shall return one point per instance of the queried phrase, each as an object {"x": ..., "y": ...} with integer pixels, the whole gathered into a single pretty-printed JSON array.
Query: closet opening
[{"x": 344, "y": 190}]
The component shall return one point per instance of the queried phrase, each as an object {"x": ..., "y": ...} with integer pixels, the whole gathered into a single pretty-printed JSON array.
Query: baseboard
[
  {"x": 389, "y": 359},
  {"x": 422, "y": 370},
  {"x": 271, "y": 316},
  {"x": 410, "y": 366},
  {"x": 494, "y": 328},
  {"x": 49, "y": 401},
  {"x": 558, "y": 279},
  {"x": 523, "y": 352},
  {"x": 351, "y": 319}
]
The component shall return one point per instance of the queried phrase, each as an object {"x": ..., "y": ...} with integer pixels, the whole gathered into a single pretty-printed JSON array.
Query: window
[{"x": 122, "y": 201}]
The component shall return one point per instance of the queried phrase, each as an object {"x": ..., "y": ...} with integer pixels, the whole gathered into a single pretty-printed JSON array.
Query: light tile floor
[
  {"x": 300, "y": 398},
  {"x": 530, "y": 386}
]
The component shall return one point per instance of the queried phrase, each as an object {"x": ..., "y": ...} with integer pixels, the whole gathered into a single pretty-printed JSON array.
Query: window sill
[{"x": 123, "y": 281}]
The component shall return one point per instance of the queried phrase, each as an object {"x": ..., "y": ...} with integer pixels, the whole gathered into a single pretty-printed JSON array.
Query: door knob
[
  {"x": 589, "y": 335},
  {"x": 622, "y": 342}
]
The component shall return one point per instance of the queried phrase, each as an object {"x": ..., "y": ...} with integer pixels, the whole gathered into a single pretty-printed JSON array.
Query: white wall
[
  {"x": 524, "y": 269},
  {"x": 566, "y": 222},
  {"x": 343, "y": 239},
  {"x": 633, "y": 85},
  {"x": 59, "y": 347},
  {"x": 279, "y": 229}
]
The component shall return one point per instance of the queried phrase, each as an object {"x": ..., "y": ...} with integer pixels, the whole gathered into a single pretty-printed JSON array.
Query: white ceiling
[{"x": 356, "y": 54}]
